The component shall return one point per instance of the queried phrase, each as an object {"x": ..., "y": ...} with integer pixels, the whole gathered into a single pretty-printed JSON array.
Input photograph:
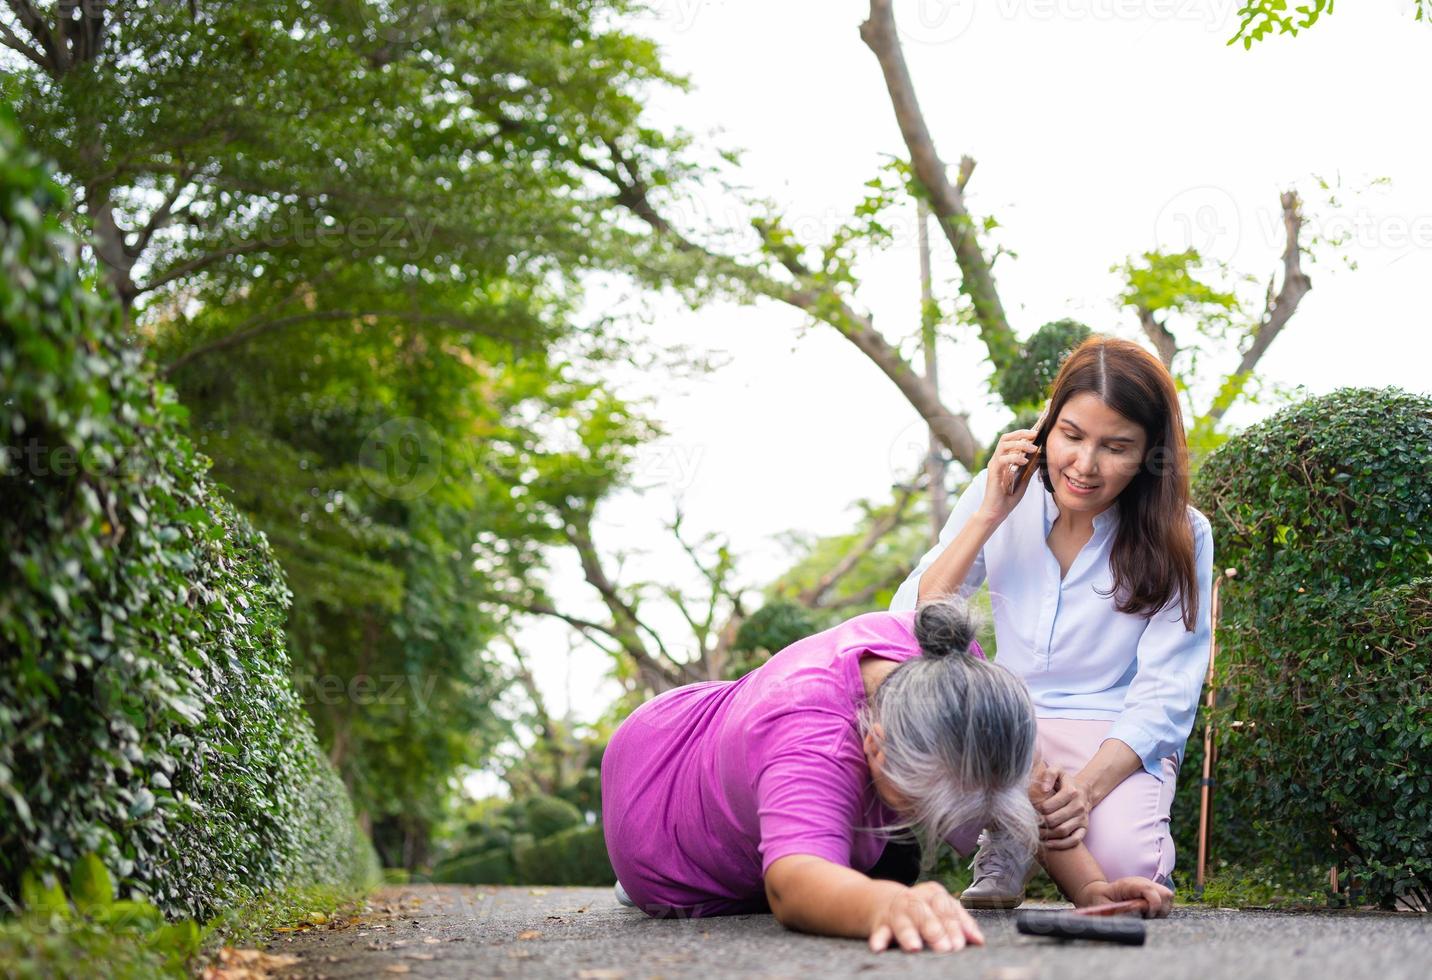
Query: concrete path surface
[{"x": 582, "y": 933}]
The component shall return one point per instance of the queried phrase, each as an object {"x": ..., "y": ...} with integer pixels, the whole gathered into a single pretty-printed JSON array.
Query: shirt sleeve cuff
[
  {"x": 836, "y": 852},
  {"x": 1144, "y": 743}
]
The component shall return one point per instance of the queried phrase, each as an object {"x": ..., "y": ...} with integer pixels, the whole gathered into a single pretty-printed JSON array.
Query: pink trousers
[{"x": 1128, "y": 831}]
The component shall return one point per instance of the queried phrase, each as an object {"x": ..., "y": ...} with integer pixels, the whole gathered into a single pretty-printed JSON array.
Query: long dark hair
[{"x": 1153, "y": 554}]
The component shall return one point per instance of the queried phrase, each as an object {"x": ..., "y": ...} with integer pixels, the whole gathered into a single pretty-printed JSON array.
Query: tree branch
[
  {"x": 825, "y": 304},
  {"x": 252, "y": 328},
  {"x": 946, "y": 200},
  {"x": 162, "y": 215},
  {"x": 864, "y": 596},
  {"x": 538, "y": 607},
  {"x": 819, "y": 301},
  {"x": 35, "y": 23},
  {"x": 658, "y": 673},
  {"x": 203, "y": 261},
  {"x": 713, "y": 658},
  {"x": 13, "y": 42},
  {"x": 1159, "y": 335},
  {"x": 815, "y": 595},
  {"x": 1281, "y": 306}
]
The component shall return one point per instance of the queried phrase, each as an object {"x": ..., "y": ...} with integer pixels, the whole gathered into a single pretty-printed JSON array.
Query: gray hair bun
[{"x": 944, "y": 626}]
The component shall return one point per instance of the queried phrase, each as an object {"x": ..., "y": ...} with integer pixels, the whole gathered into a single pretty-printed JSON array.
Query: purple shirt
[{"x": 704, "y": 787}]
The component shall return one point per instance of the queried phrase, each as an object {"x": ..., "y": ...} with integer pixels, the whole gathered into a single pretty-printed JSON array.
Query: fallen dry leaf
[
  {"x": 431, "y": 939},
  {"x": 420, "y": 956},
  {"x": 529, "y": 934},
  {"x": 538, "y": 891},
  {"x": 246, "y": 964},
  {"x": 600, "y": 975},
  {"x": 397, "y": 968}
]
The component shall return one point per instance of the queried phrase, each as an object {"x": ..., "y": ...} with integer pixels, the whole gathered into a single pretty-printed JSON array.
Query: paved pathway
[{"x": 581, "y": 933}]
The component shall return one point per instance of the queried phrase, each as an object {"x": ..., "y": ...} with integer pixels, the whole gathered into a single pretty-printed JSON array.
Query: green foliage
[
  {"x": 871, "y": 583},
  {"x": 546, "y": 815},
  {"x": 1259, "y": 18},
  {"x": 768, "y": 630},
  {"x": 1326, "y": 512},
  {"x": 349, "y": 231},
  {"x": 145, "y": 709},
  {"x": 394, "y": 161},
  {"x": 1025, "y": 382},
  {"x": 490, "y": 867},
  {"x": 116, "y": 938},
  {"x": 1174, "y": 283},
  {"x": 359, "y": 469},
  {"x": 1266, "y": 886},
  {"x": 538, "y": 841},
  {"x": 100, "y": 936},
  {"x": 576, "y": 856}
]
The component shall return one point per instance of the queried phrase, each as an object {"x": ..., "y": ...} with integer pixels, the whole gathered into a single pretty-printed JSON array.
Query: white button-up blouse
[{"x": 1079, "y": 656}]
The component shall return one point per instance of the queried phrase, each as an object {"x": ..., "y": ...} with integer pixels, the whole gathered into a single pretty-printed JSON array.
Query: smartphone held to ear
[{"x": 1019, "y": 474}]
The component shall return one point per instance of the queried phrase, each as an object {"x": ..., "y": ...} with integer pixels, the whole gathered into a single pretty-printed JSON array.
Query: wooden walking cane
[{"x": 1206, "y": 783}]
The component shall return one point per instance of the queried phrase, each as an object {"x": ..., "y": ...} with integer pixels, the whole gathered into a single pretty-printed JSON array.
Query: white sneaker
[
  {"x": 995, "y": 886},
  {"x": 623, "y": 898}
]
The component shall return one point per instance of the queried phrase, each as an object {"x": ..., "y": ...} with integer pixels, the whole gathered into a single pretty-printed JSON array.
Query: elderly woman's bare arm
[{"x": 811, "y": 894}]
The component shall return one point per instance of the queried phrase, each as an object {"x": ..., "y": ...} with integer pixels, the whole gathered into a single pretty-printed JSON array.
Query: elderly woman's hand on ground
[{"x": 924, "y": 915}]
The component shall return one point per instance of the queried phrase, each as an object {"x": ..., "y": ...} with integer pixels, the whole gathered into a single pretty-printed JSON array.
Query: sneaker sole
[{"x": 991, "y": 901}]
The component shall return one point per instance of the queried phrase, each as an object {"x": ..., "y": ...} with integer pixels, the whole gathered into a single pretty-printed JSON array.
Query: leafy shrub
[
  {"x": 768, "y": 630},
  {"x": 1326, "y": 512},
  {"x": 576, "y": 856},
  {"x": 1025, "y": 382},
  {"x": 88, "y": 930},
  {"x": 146, "y": 712},
  {"x": 492, "y": 867},
  {"x": 546, "y": 815}
]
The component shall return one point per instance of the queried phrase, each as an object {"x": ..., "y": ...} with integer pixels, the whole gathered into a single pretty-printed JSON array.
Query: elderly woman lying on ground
[{"x": 779, "y": 791}]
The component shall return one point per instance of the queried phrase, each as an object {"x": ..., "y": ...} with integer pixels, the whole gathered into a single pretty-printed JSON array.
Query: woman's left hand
[{"x": 1064, "y": 814}]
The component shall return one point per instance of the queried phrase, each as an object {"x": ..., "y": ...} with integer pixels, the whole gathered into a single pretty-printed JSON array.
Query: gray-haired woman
[{"x": 779, "y": 791}]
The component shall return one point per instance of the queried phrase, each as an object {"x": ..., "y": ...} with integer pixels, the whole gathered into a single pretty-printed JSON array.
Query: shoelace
[{"x": 987, "y": 865}]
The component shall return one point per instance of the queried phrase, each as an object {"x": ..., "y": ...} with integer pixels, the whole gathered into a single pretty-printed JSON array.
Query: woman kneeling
[{"x": 778, "y": 791}]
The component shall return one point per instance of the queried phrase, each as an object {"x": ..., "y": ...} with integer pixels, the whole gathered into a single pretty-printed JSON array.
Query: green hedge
[
  {"x": 492, "y": 867},
  {"x": 577, "y": 856},
  {"x": 1326, "y": 512},
  {"x": 548, "y": 815},
  {"x": 146, "y": 713}
]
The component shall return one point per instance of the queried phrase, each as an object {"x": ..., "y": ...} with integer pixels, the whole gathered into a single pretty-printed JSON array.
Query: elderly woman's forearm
[
  {"x": 1073, "y": 870},
  {"x": 811, "y": 894}
]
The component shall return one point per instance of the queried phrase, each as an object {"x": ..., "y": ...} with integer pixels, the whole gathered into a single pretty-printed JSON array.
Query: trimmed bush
[
  {"x": 577, "y": 856},
  {"x": 767, "y": 631},
  {"x": 146, "y": 712},
  {"x": 1326, "y": 512},
  {"x": 492, "y": 867},
  {"x": 1025, "y": 382},
  {"x": 546, "y": 815}
]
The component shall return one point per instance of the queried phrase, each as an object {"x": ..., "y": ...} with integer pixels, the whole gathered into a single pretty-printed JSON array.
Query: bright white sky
[{"x": 1101, "y": 128}]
